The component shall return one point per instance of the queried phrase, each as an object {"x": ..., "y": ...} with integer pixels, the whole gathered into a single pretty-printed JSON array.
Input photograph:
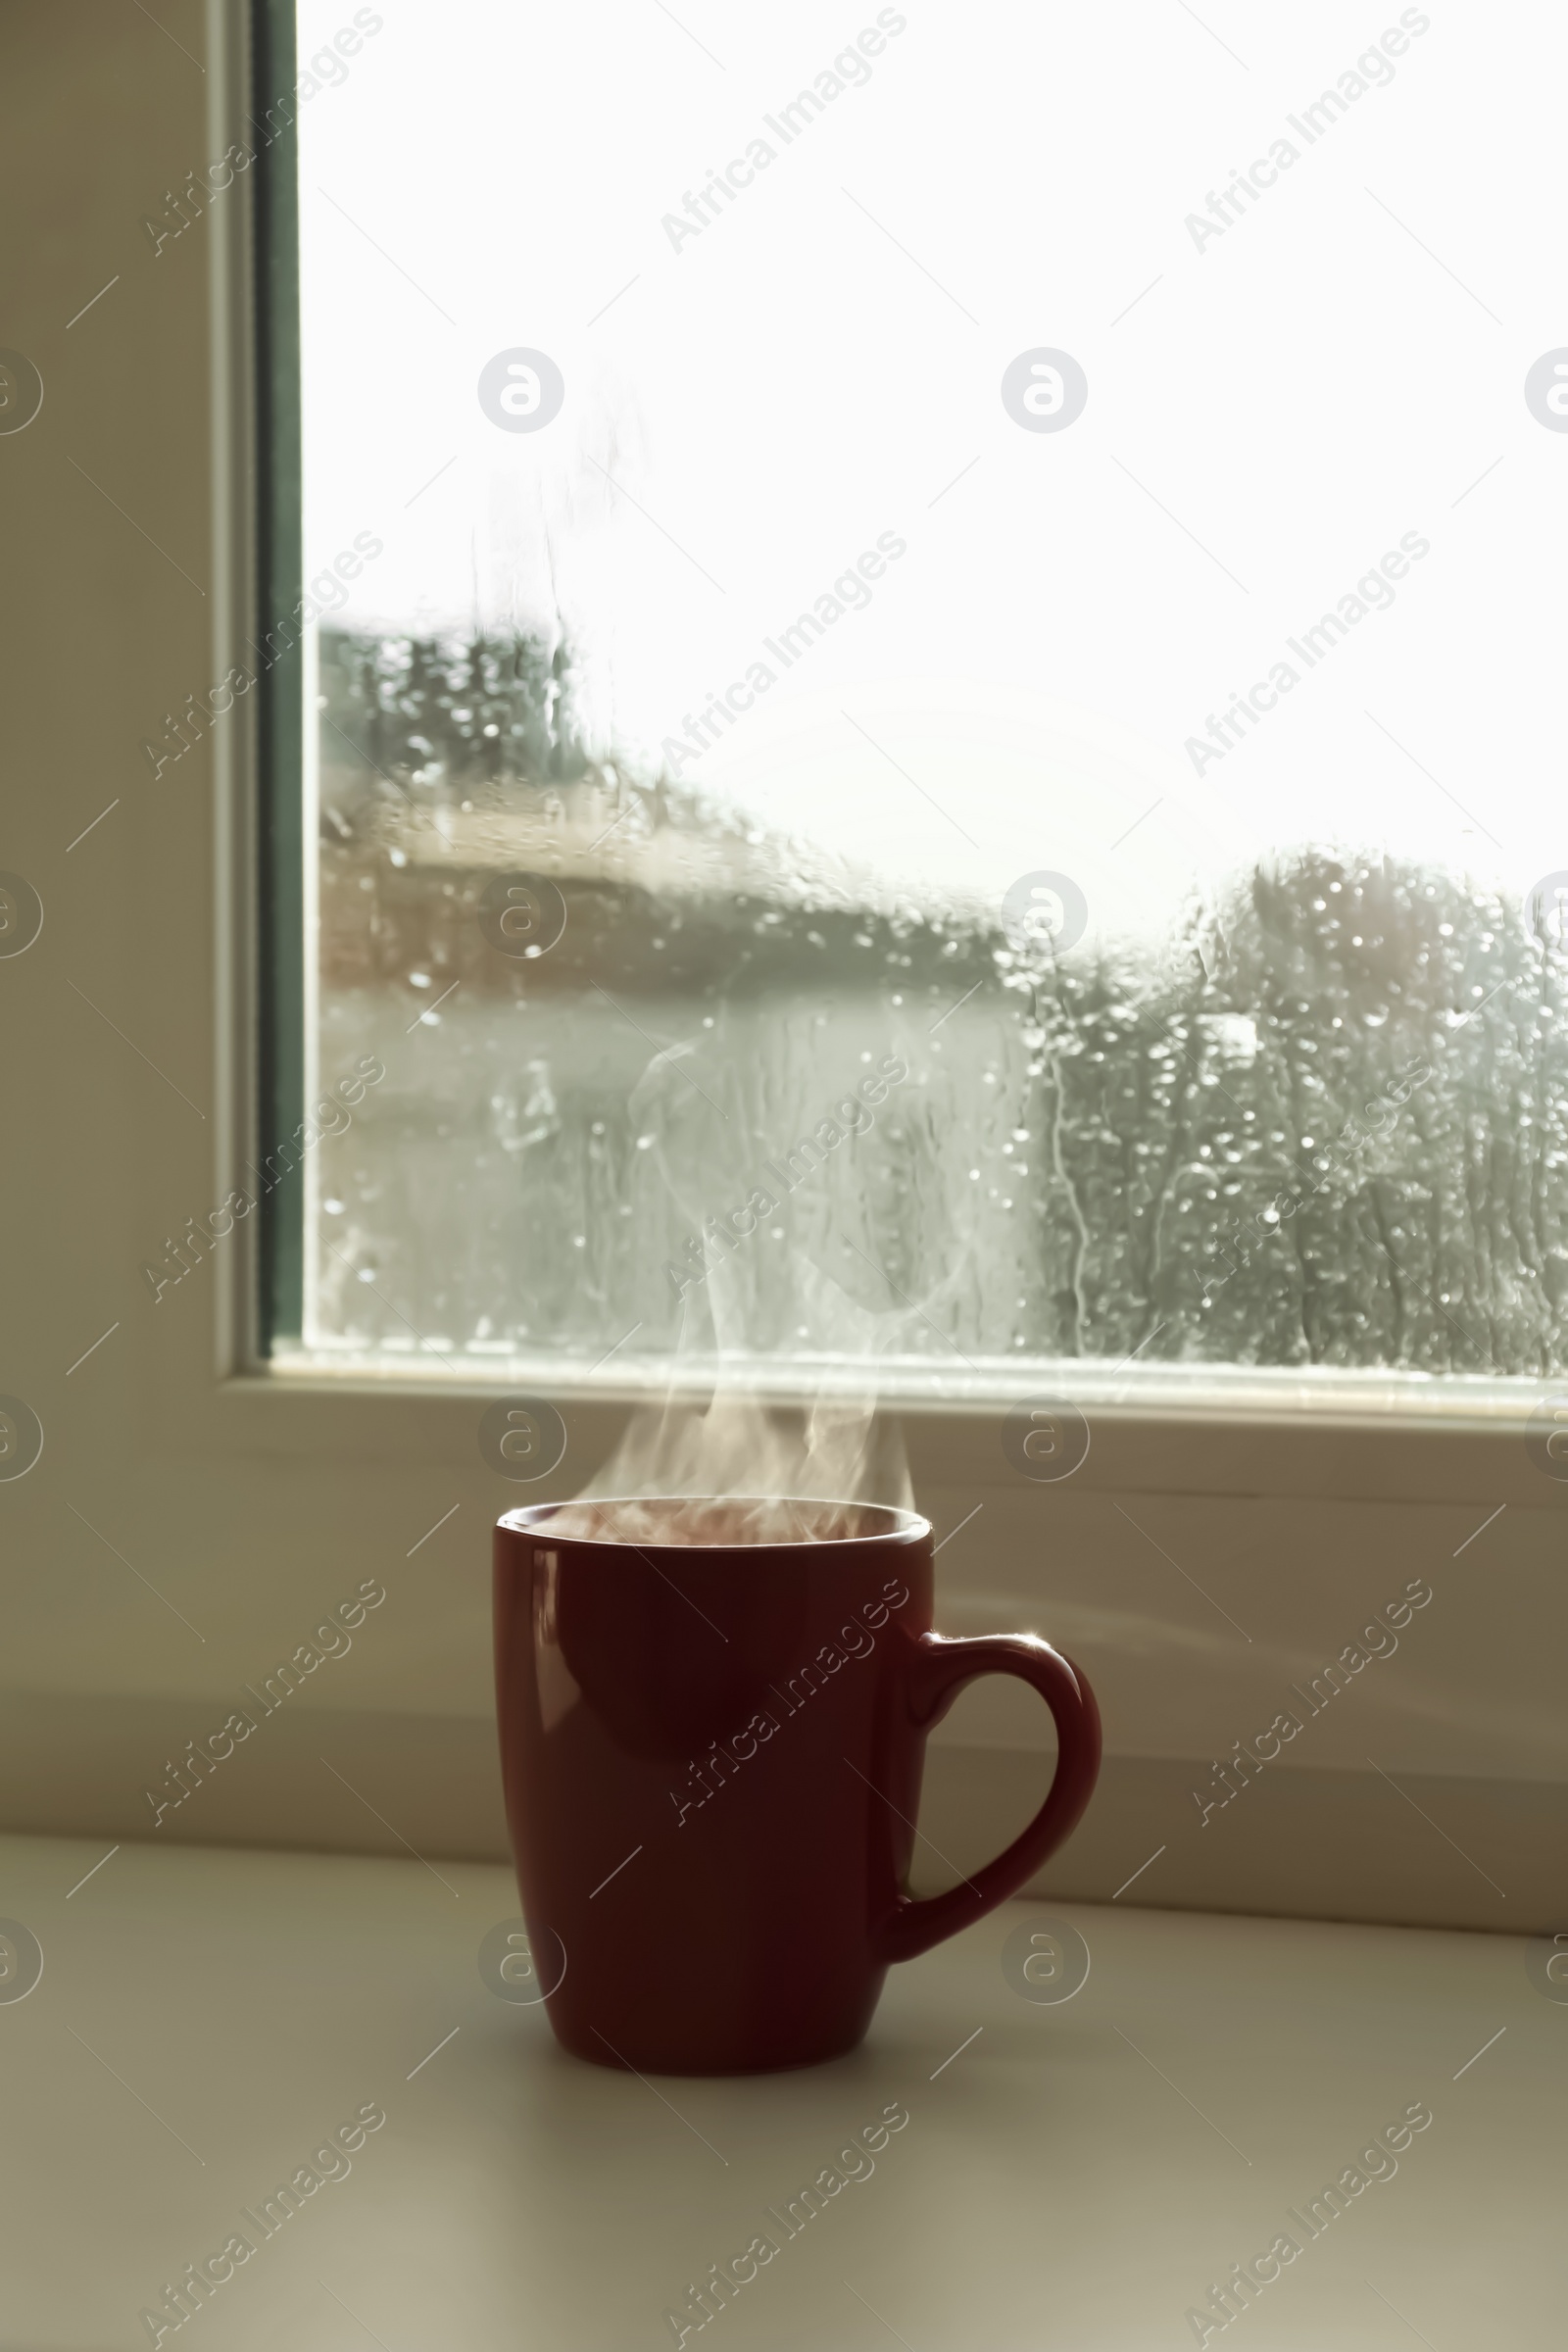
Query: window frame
[
  {"x": 260, "y": 527},
  {"x": 1223, "y": 1400},
  {"x": 282, "y": 844}
]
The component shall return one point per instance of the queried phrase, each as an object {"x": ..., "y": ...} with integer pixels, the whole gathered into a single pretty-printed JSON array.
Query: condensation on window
[{"x": 695, "y": 1086}]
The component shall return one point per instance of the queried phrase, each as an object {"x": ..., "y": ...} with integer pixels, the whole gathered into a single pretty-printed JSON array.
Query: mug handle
[{"x": 941, "y": 1668}]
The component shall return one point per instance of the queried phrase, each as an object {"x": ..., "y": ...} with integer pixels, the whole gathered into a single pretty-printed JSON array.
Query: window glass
[{"x": 933, "y": 714}]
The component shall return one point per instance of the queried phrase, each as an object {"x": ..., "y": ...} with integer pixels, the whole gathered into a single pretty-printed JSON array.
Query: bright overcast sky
[{"x": 1273, "y": 407}]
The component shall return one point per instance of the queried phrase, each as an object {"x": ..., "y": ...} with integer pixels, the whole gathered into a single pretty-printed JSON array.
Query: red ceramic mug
[{"x": 711, "y": 1752}]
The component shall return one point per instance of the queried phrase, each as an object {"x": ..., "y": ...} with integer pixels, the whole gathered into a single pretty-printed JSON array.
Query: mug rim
[{"x": 905, "y": 1526}]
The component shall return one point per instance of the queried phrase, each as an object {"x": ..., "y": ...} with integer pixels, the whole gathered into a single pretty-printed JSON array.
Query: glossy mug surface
[{"x": 712, "y": 1754}]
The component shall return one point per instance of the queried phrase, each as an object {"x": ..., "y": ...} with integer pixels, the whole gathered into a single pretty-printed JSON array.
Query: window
[
  {"x": 899, "y": 715},
  {"x": 1245, "y": 1543}
]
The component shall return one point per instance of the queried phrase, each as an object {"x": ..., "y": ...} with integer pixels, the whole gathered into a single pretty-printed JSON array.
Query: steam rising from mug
[
  {"x": 760, "y": 1460},
  {"x": 754, "y": 1473}
]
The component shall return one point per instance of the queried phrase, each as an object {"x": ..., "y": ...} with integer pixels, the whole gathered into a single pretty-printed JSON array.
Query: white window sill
[{"x": 1079, "y": 2174}]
